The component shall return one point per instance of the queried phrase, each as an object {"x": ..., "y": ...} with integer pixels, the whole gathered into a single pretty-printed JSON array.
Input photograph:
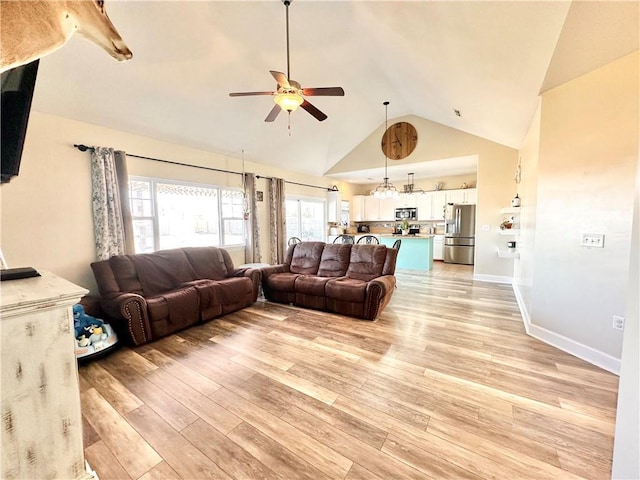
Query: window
[
  {"x": 170, "y": 214},
  {"x": 306, "y": 219}
]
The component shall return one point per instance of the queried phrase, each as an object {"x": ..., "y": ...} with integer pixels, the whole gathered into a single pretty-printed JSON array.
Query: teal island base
[{"x": 416, "y": 252}]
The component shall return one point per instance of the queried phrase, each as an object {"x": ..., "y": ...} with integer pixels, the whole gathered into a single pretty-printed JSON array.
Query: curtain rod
[
  {"x": 84, "y": 148},
  {"x": 334, "y": 188}
]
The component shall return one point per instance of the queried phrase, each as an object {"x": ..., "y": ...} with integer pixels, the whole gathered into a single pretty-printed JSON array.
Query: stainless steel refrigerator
[{"x": 459, "y": 233}]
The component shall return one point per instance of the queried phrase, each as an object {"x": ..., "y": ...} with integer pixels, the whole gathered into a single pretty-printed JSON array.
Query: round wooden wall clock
[{"x": 399, "y": 140}]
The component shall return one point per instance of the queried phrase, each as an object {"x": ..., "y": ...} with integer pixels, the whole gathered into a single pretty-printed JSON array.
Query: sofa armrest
[
  {"x": 128, "y": 313},
  {"x": 378, "y": 293},
  {"x": 255, "y": 274},
  {"x": 270, "y": 270}
]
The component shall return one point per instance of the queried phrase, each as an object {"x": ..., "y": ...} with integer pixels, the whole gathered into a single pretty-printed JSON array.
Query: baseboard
[
  {"x": 523, "y": 311},
  {"x": 577, "y": 349},
  {"x": 492, "y": 278}
]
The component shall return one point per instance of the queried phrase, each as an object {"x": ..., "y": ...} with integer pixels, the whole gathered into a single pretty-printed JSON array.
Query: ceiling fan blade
[
  {"x": 273, "y": 113},
  {"x": 246, "y": 94},
  {"x": 324, "y": 91},
  {"x": 281, "y": 78},
  {"x": 313, "y": 111}
]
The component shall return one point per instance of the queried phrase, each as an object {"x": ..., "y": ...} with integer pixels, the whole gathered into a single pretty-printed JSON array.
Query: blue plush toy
[{"x": 89, "y": 330}]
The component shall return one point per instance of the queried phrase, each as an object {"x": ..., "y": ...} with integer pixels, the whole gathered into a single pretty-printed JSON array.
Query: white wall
[
  {"x": 496, "y": 188},
  {"x": 46, "y": 217},
  {"x": 528, "y": 191},
  {"x": 585, "y": 178},
  {"x": 626, "y": 460}
]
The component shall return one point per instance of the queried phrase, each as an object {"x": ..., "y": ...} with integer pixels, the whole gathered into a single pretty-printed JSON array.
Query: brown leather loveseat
[
  {"x": 354, "y": 280},
  {"x": 148, "y": 296}
]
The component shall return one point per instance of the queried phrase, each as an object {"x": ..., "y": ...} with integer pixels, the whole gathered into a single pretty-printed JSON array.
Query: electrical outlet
[
  {"x": 618, "y": 322},
  {"x": 593, "y": 240},
  {"x": 486, "y": 228}
]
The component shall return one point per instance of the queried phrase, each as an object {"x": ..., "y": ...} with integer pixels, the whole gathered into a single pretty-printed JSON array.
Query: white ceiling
[{"x": 487, "y": 59}]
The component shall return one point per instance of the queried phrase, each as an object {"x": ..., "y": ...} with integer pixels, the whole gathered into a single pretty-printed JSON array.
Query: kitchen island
[{"x": 416, "y": 251}]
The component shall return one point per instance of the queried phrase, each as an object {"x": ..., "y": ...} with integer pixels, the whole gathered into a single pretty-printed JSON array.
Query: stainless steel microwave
[{"x": 406, "y": 213}]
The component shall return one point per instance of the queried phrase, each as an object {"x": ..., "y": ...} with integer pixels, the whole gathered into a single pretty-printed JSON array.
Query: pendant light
[
  {"x": 410, "y": 187},
  {"x": 386, "y": 189}
]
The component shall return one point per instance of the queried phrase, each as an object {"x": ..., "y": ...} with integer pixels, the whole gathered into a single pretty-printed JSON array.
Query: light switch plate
[
  {"x": 593, "y": 240},
  {"x": 486, "y": 228}
]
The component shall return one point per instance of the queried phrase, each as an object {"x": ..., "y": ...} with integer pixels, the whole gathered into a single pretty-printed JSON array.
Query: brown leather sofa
[
  {"x": 354, "y": 280},
  {"x": 148, "y": 296}
]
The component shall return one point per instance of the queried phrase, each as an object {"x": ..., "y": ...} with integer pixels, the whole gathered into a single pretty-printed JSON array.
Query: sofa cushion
[
  {"x": 282, "y": 281},
  {"x": 310, "y": 291},
  {"x": 366, "y": 261},
  {"x": 162, "y": 271},
  {"x": 334, "y": 260},
  {"x": 207, "y": 262},
  {"x": 124, "y": 271},
  {"x": 215, "y": 295},
  {"x": 306, "y": 258},
  {"x": 311, "y": 284},
  {"x": 346, "y": 289},
  {"x": 173, "y": 311}
]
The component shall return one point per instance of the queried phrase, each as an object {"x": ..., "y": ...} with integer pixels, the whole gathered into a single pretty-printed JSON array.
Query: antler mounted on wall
[{"x": 32, "y": 29}]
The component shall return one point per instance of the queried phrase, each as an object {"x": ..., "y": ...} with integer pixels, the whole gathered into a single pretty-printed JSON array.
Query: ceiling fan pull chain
[{"x": 289, "y": 122}]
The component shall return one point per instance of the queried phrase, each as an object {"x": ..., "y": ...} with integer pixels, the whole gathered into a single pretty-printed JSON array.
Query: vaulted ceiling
[{"x": 489, "y": 60}]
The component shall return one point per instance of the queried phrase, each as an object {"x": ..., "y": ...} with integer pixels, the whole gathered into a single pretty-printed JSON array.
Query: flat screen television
[{"x": 17, "y": 91}]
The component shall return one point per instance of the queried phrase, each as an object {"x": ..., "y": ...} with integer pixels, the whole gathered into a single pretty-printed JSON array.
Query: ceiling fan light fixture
[{"x": 288, "y": 101}]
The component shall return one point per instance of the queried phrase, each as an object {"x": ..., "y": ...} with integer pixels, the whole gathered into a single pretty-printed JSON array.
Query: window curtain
[
  {"x": 252, "y": 249},
  {"x": 112, "y": 224},
  {"x": 277, "y": 220}
]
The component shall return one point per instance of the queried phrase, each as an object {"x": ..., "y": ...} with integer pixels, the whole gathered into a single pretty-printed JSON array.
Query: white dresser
[{"x": 41, "y": 419}]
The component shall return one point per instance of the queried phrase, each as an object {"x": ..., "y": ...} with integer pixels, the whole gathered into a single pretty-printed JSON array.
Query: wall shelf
[
  {"x": 508, "y": 253},
  {"x": 507, "y": 210},
  {"x": 510, "y": 231}
]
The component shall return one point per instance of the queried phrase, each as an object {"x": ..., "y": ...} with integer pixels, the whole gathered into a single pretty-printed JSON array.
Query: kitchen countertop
[{"x": 398, "y": 235}]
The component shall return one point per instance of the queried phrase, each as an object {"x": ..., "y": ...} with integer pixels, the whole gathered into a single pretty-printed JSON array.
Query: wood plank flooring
[{"x": 445, "y": 384}]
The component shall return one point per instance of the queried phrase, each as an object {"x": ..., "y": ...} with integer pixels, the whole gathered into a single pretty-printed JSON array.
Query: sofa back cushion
[
  {"x": 209, "y": 262},
  {"x": 390, "y": 262},
  {"x": 125, "y": 274},
  {"x": 366, "y": 261},
  {"x": 305, "y": 257},
  {"x": 334, "y": 260},
  {"x": 106, "y": 280},
  {"x": 157, "y": 272}
]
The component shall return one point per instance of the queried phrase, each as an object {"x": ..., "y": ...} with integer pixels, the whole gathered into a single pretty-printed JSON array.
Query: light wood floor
[{"x": 445, "y": 384}]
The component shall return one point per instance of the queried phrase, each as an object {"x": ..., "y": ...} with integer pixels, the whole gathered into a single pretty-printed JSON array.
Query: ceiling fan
[{"x": 290, "y": 95}]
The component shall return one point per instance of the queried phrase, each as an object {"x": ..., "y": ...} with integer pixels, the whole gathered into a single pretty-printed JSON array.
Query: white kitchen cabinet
[
  {"x": 356, "y": 208},
  {"x": 439, "y": 201},
  {"x": 407, "y": 200},
  {"x": 388, "y": 209},
  {"x": 455, "y": 196},
  {"x": 371, "y": 208},
  {"x": 462, "y": 195},
  {"x": 334, "y": 206},
  {"x": 471, "y": 195},
  {"x": 438, "y": 247},
  {"x": 424, "y": 205}
]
